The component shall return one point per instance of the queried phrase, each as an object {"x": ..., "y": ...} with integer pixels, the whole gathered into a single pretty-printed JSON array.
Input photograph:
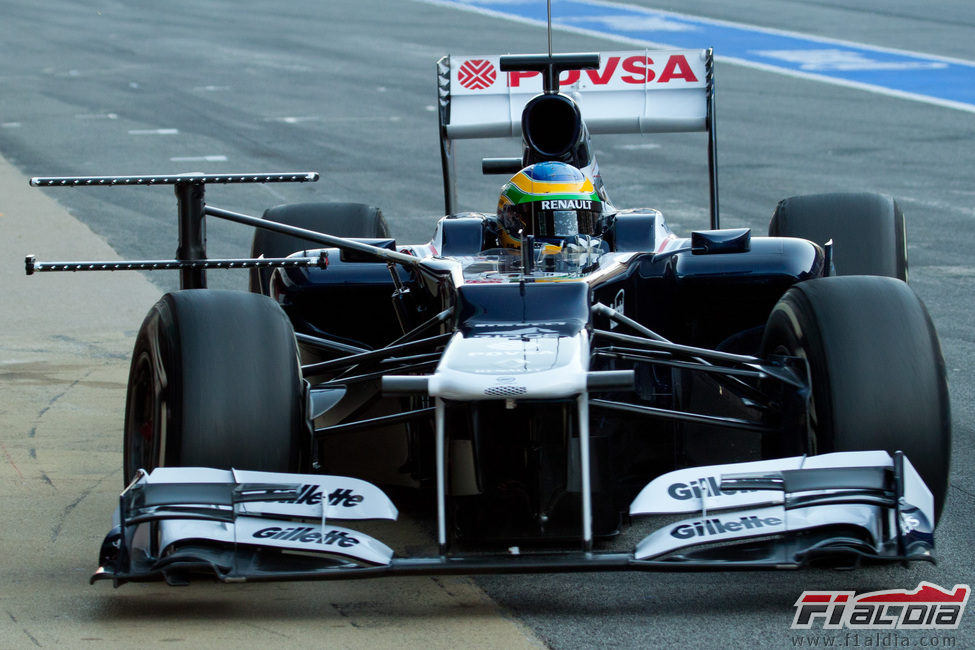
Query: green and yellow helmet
[{"x": 552, "y": 201}]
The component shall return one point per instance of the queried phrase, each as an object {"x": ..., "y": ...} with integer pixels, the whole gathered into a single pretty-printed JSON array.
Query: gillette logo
[
  {"x": 702, "y": 487},
  {"x": 308, "y": 535},
  {"x": 709, "y": 527},
  {"x": 313, "y": 495}
]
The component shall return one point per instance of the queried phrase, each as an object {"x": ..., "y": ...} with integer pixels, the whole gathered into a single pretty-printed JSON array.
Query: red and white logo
[
  {"x": 627, "y": 71},
  {"x": 929, "y": 607},
  {"x": 476, "y": 74}
]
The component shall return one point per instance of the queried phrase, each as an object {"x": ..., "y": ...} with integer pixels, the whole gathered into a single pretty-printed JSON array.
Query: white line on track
[
  {"x": 199, "y": 159},
  {"x": 292, "y": 119}
]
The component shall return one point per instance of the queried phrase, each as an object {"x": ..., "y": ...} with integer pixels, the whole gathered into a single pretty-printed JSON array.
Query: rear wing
[{"x": 639, "y": 91}]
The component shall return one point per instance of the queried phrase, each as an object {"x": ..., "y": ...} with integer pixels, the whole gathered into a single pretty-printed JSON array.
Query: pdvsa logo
[
  {"x": 619, "y": 71},
  {"x": 928, "y": 607},
  {"x": 476, "y": 74}
]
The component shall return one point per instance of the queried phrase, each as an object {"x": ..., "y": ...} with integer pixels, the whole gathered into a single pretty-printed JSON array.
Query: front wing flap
[{"x": 830, "y": 510}]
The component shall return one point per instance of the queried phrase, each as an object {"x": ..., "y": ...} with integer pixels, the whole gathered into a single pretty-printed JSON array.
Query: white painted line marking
[
  {"x": 638, "y": 147},
  {"x": 319, "y": 118},
  {"x": 96, "y": 116},
  {"x": 199, "y": 159},
  {"x": 277, "y": 195},
  {"x": 839, "y": 60},
  {"x": 153, "y": 131},
  {"x": 291, "y": 119},
  {"x": 10, "y": 125}
]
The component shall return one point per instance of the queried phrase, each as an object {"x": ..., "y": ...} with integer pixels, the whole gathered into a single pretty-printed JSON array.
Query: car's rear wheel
[
  {"x": 867, "y": 230},
  {"x": 339, "y": 219},
  {"x": 214, "y": 382},
  {"x": 875, "y": 369}
]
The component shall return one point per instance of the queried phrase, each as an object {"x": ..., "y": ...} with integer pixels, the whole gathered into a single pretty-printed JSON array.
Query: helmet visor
[{"x": 559, "y": 217}]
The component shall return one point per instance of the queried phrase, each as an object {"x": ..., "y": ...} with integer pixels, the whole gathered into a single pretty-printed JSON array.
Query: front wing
[{"x": 831, "y": 510}]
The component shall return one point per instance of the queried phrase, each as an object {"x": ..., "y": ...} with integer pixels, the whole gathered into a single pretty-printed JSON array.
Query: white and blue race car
[{"x": 546, "y": 373}]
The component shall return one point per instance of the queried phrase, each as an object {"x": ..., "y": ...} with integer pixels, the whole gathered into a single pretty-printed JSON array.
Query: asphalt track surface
[
  {"x": 893, "y": 71},
  {"x": 348, "y": 90}
]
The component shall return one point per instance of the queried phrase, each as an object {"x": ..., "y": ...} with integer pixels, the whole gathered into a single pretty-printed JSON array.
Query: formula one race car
[{"x": 545, "y": 373}]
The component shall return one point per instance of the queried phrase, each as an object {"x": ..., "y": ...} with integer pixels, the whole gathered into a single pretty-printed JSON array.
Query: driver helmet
[{"x": 553, "y": 201}]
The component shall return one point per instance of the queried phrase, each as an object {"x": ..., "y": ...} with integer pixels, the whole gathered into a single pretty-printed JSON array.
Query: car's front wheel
[
  {"x": 867, "y": 230},
  {"x": 338, "y": 219},
  {"x": 214, "y": 382},
  {"x": 876, "y": 372}
]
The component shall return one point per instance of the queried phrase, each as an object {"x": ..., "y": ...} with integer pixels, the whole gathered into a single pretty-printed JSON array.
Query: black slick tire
[
  {"x": 339, "y": 219},
  {"x": 876, "y": 371},
  {"x": 867, "y": 230},
  {"x": 214, "y": 382}
]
